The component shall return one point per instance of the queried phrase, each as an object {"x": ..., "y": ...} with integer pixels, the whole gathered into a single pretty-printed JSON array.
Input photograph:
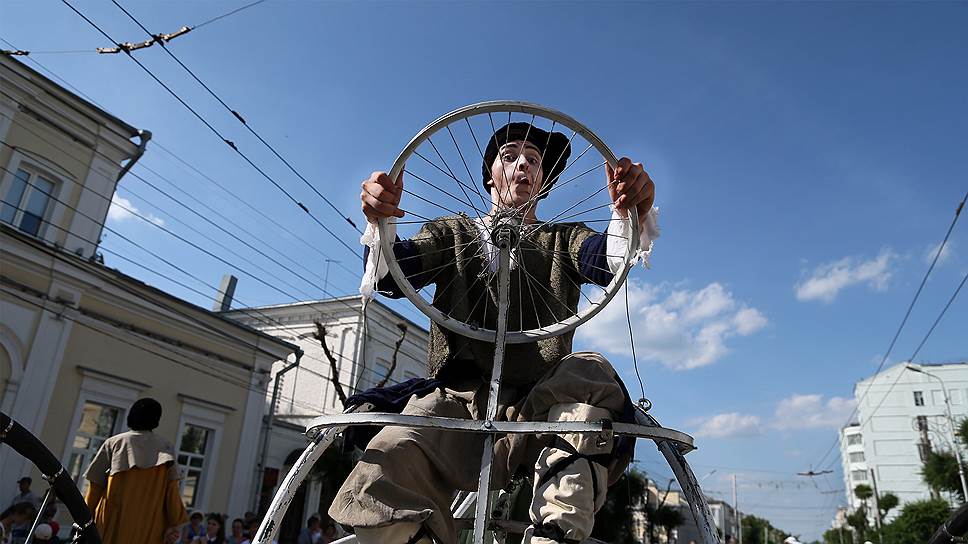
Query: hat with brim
[{"x": 554, "y": 147}]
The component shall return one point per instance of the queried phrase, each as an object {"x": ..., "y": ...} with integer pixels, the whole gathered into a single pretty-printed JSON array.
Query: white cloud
[
  {"x": 932, "y": 250},
  {"x": 811, "y": 412},
  {"x": 117, "y": 211},
  {"x": 728, "y": 425},
  {"x": 828, "y": 279},
  {"x": 679, "y": 328}
]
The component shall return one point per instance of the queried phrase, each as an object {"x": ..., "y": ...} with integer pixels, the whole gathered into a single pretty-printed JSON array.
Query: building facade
[
  {"x": 900, "y": 416},
  {"x": 80, "y": 341},
  {"x": 363, "y": 351}
]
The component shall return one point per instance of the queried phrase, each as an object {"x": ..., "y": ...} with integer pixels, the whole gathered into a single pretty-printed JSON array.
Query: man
[
  {"x": 25, "y": 494},
  {"x": 133, "y": 478},
  {"x": 401, "y": 489},
  {"x": 312, "y": 532}
]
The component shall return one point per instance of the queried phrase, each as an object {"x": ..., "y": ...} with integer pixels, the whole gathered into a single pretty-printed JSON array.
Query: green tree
[
  {"x": 614, "y": 522},
  {"x": 940, "y": 472},
  {"x": 917, "y": 522},
  {"x": 887, "y": 502},
  {"x": 837, "y": 536},
  {"x": 858, "y": 521},
  {"x": 863, "y": 492},
  {"x": 668, "y": 517}
]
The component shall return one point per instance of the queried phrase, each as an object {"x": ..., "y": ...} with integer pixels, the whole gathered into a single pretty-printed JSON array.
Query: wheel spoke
[
  {"x": 470, "y": 176},
  {"x": 455, "y": 197},
  {"x": 454, "y": 177}
]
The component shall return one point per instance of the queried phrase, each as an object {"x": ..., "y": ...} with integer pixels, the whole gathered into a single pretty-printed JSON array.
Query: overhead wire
[
  {"x": 224, "y": 139},
  {"x": 900, "y": 327},
  {"x": 917, "y": 350},
  {"x": 140, "y": 216},
  {"x": 172, "y": 233},
  {"x": 242, "y": 120},
  {"x": 156, "y": 38}
]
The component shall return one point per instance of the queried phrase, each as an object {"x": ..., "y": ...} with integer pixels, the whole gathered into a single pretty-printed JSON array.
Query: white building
[
  {"x": 363, "y": 358},
  {"x": 854, "y": 462},
  {"x": 902, "y": 413}
]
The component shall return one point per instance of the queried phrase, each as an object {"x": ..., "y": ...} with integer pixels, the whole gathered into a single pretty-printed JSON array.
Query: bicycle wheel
[{"x": 438, "y": 168}]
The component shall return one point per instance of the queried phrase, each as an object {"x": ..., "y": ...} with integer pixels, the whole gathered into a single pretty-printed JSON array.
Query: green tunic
[{"x": 544, "y": 289}]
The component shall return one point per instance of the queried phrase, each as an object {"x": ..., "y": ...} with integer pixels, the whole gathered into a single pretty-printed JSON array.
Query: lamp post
[{"x": 951, "y": 426}]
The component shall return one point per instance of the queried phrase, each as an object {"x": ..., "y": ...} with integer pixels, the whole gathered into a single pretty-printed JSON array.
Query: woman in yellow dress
[{"x": 133, "y": 489}]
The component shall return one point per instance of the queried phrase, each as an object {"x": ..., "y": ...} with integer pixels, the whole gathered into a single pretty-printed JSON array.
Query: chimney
[{"x": 226, "y": 291}]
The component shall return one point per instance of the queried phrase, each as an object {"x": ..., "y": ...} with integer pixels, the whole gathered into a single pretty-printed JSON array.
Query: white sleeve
[
  {"x": 619, "y": 231},
  {"x": 376, "y": 263}
]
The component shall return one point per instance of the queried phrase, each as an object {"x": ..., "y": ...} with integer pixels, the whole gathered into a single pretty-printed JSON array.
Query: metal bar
[
  {"x": 687, "y": 481},
  {"x": 649, "y": 431},
  {"x": 482, "y": 510},
  {"x": 299, "y": 471},
  {"x": 43, "y": 506}
]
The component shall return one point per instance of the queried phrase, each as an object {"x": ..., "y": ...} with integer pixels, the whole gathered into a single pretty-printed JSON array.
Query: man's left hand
[{"x": 629, "y": 186}]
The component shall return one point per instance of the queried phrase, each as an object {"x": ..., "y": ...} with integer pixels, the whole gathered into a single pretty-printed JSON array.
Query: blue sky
[{"x": 806, "y": 157}]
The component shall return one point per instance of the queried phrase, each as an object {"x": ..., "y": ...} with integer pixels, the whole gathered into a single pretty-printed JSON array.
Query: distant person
[
  {"x": 133, "y": 490},
  {"x": 44, "y": 534},
  {"x": 194, "y": 530},
  {"x": 24, "y": 494},
  {"x": 238, "y": 534},
  {"x": 214, "y": 531},
  {"x": 48, "y": 515},
  {"x": 331, "y": 533},
  {"x": 246, "y": 522},
  {"x": 312, "y": 532},
  {"x": 16, "y": 525},
  {"x": 253, "y": 529}
]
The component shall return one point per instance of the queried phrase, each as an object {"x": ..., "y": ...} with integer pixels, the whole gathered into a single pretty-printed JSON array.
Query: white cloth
[
  {"x": 619, "y": 232},
  {"x": 568, "y": 499},
  {"x": 376, "y": 264}
]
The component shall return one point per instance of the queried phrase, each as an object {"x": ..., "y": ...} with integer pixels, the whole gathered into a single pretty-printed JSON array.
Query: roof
[
  {"x": 122, "y": 277},
  {"x": 97, "y": 109},
  {"x": 349, "y": 299}
]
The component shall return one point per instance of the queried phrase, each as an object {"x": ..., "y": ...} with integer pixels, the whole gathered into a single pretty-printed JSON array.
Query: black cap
[{"x": 554, "y": 146}]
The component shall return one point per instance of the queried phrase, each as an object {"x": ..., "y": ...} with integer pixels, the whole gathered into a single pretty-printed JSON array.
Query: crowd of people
[
  {"x": 215, "y": 528},
  {"x": 133, "y": 496},
  {"x": 20, "y": 516}
]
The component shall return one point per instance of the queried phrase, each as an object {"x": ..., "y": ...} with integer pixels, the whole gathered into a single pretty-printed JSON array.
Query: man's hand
[
  {"x": 629, "y": 186},
  {"x": 381, "y": 197},
  {"x": 172, "y": 535}
]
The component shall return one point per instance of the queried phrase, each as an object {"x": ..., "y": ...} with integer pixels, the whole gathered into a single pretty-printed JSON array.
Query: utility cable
[
  {"x": 215, "y": 131},
  {"x": 128, "y": 46},
  {"x": 148, "y": 220},
  {"x": 242, "y": 120},
  {"x": 900, "y": 327}
]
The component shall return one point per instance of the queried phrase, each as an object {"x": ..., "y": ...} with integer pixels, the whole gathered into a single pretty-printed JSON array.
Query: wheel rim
[{"x": 484, "y": 114}]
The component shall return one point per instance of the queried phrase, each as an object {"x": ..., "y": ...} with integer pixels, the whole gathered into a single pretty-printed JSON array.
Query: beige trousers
[{"x": 410, "y": 475}]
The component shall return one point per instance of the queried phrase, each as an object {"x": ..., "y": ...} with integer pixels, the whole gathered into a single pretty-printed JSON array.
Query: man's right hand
[{"x": 381, "y": 197}]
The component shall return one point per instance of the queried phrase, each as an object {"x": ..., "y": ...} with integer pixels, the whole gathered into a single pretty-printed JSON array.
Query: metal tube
[
  {"x": 482, "y": 510},
  {"x": 269, "y": 421},
  {"x": 43, "y": 505}
]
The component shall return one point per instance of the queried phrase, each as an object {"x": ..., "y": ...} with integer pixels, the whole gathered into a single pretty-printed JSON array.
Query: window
[
  {"x": 857, "y": 457},
  {"x": 27, "y": 201},
  {"x": 918, "y": 398},
  {"x": 98, "y": 422},
  {"x": 193, "y": 448},
  {"x": 853, "y": 439},
  {"x": 955, "y": 396},
  {"x": 409, "y": 375},
  {"x": 858, "y": 475},
  {"x": 921, "y": 423}
]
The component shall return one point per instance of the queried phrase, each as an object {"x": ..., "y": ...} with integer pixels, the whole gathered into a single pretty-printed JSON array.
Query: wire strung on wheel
[{"x": 643, "y": 402}]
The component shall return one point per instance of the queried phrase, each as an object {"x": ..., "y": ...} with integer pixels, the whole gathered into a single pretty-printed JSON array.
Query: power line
[
  {"x": 241, "y": 119},
  {"x": 900, "y": 327},
  {"x": 215, "y": 131},
  {"x": 128, "y": 46},
  {"x": 924, "y": 340},
  {"x": 134, "y": 213}
]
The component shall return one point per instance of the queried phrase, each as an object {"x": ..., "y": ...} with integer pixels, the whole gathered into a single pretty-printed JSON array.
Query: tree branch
[
  {"x": 320, "y": 335},
  {"x": 396, "y": 350}
]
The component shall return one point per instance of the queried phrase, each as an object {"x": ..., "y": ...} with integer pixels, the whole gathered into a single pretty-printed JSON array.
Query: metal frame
[
  {"x": 505, "y": 235},
  {"x": 475, "y": 332}
]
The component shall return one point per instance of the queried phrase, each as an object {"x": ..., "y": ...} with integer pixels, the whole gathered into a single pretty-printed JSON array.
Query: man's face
[
  {"x": 516, "y": 174},
  {"x": 24, "y": 486}
]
